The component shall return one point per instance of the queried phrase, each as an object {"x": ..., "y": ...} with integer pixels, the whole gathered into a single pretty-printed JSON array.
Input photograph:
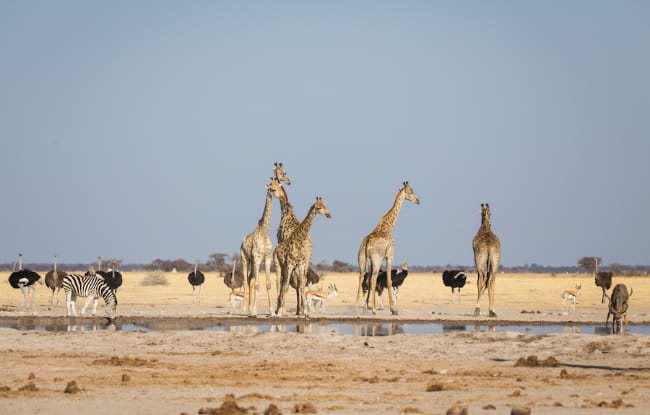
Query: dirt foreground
[{"x": 245, "y": 371}]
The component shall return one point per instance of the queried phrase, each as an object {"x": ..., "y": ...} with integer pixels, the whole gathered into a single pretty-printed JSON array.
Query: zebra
[{"x": 92, "y": 287}]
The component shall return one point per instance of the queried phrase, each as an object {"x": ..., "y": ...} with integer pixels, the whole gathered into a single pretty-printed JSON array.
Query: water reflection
[{"x": 250, "y": 326}]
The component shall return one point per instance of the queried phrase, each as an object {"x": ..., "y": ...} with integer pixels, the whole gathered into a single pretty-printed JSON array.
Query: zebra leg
[
  {"x": 86, "y": 304},
  {"x": 72, "y": 308},
  {"x": 95, "y": 301}
]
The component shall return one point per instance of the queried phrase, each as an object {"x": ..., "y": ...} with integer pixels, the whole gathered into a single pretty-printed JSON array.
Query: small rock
[
  {"x": 72, "y": 387},
  {"x": 272, "y": 410},
  {"x": 457, "y": 410},
  {"x": 304, "y": 408},
  {"x": 520, "y": 411},
  {"x": 126, "y": 378},
  {"x": 564, "y": 374},
  {"x": 435, "y": 387},
  {"x": 489, "y": 407},
  {"x": 30, "y": 387},
  {"x": 31, "y": 376}
]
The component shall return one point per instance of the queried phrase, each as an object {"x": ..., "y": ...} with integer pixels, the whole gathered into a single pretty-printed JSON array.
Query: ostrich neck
[{"x": 387, "y": 222}]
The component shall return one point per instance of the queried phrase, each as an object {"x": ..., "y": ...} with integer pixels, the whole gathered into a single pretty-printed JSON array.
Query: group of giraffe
[{"x": 292, "y": 255}]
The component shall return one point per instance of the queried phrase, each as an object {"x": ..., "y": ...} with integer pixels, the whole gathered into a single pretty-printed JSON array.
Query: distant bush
[{"x": 155, "y": 278}]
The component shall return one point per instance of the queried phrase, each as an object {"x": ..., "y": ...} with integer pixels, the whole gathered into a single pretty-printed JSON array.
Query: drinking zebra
[{"x": 92, "y": 287}]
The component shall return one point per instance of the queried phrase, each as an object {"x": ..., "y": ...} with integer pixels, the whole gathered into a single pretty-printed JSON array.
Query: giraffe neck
[
  {"x": 485, "y": 225},
  {"x": 265, "y": 221},
  {"x": 288, "y": 219},
  {"x": 302, "y": 231},
  {"x": 387, "y": 222}
]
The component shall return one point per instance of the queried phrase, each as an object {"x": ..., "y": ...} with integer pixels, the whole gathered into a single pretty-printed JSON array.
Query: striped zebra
[{"x": 91, "y": 287}]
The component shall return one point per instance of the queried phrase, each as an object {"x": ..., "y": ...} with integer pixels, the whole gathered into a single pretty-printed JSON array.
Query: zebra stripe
[{"x": 91, "y": 286}]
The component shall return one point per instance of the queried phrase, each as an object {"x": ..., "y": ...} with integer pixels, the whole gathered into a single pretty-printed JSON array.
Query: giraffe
[
  {"x": 280, "y": 174},
  {"x": 255, "y": 249},
  {"x": 293, "y": 255},
  {"x": 487, "y": 253},
  {"x": 379, "y": 245}
]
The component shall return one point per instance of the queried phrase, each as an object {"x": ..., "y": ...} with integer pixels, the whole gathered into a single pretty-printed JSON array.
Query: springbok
[
  {"x": 572, "y": 295},
  {"x": 318, "y": 296},
  {"x": 236, "y": 299}
]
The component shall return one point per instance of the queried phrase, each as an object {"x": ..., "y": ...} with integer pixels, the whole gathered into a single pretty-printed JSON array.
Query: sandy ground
[{"x": 244, "y": 371}]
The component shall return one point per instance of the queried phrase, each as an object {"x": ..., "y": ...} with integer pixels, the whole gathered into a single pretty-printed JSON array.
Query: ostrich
[
  {"x": 397, "y": 279},
  {"x": 25, "y": 280},
  {"x": 196, "y": 279},
  {"x": 112, "y": 278},
  {"x": 604, "y": 280},
  {"x": 618, "y": 305},
  {"x": 454, "y": 278},
  {"x": 54, "y": 281},
  {"x": 312, "y": 278},
  {"x": 237, "y": 281}
]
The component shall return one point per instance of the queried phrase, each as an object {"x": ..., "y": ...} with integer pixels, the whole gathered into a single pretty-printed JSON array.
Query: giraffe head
[
  {"x": 280, "y": 174},
  {"x": 320, "y": 208},
  {"x": 275, "y": 188},
  {"x": 409, "y": 193},
  {"x": 485, "y": 213}
]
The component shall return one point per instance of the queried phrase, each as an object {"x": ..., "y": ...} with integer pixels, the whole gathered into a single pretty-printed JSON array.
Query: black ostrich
[
  {"x": 238, "y": 280},
  {"x": 454, "y": 278},
  {"x": 312, "y": 278},
  {"x": 604, "y": 280},
  {"x": 196, "y": 279},
  {"x": 54, "y": 281},
  {"x": 397, "y": 279},
  {"x": 25, "y": 280},
  {"x": 112, "y": 278}
]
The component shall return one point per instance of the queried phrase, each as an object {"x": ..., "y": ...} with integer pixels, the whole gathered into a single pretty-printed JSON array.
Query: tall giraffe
[
  {"x": 255, "y": 249},
  {"x": 379, "y": 245},
  {"x": 280, "y": 174},
  {"x": 487, "y": 253},
  {"x": 293, "y": 255}
]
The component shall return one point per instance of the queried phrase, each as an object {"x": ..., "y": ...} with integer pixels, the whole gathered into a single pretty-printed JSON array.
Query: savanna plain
[{"x": 95, "y": 368}]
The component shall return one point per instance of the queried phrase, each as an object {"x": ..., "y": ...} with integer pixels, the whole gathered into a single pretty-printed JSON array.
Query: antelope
[
  {"x": 318, "y": 296},
  {"x": 236, "y": 299},
  {"x": 572, "y": 295}
]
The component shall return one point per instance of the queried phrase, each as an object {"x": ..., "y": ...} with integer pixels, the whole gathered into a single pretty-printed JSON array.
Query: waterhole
[{"x": 348, "y": 327}]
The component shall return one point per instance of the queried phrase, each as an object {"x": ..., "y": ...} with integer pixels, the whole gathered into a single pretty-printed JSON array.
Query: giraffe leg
[
  {"x": 284, "y": 282},
  {"x": 389, "y": 284},
  {"x": 492, "y": 313},
  {"x": 363, "y": 268},
  {"x": 493, "y": 265},
  {"x": 245, "y": 270},
  {"x": 302, "y": 282},
  {"x": 481, "y": 287},
  {"x": 267, "y": 272},
  {"x": 252, "y": 291},
  {"x": 278, "y": 282}
]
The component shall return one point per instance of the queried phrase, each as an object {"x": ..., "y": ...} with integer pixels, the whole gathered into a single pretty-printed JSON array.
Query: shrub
[{"x": 155, "y": 278}]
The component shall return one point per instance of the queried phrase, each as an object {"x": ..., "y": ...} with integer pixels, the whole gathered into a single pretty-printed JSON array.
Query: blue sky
[{"x": 148, "y": 129}]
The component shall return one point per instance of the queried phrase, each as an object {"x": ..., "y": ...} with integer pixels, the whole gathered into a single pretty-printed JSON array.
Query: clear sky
[{"x": 148, "y": 129}]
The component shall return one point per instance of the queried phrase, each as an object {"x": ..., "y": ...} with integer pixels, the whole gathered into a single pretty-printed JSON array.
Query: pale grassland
[{"x": 421, "y": 294}]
